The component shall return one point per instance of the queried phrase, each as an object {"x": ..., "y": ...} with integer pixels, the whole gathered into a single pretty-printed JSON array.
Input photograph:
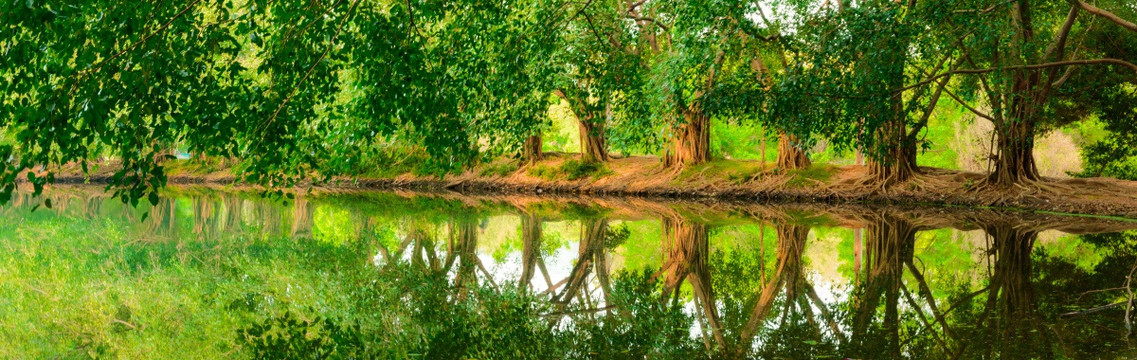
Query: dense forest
[{"x": 310, "y": 90}]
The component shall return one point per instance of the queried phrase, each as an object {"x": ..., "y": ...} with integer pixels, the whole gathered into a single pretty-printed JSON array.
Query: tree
[
  {"x": 1021, "y": 77},
  {"x": 598, "y": 69},
  {"x": 292, "y": 89},
  {"x": 849, "y": 85}
]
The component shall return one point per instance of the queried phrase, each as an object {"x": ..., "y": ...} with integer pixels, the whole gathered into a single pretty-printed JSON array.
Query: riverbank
[{"x": 728, "y": 180}]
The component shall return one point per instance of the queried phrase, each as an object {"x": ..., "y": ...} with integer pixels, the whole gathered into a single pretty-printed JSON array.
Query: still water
[{"x": 221, "y": 274}]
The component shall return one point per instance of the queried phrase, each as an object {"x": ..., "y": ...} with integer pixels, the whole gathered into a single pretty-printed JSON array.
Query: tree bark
[
  {"x": 1011, "y": 314},
  {"x": 685, "y": 243},
  {"x": 688, "y": 252},
  {"x": 530, "y": 250},
  {"x": 532, "y": 149},
  {"x": 593, "y": 143},
  {"x": 463, "y": 250},
  {"x": 890, "y": 244},
  {"x": 790, "y": 156},
  {"x": 1014, "y": 162},
  {"x": 691, "y": 143},
  {"x": 896, "y": 162},
  {"x": 787, "y": 275}
]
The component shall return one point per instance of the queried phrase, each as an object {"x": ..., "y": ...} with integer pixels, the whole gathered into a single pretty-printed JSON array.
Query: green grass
[
  {"x": 499, "y": 169},
  {"x": 812, "y": 175},
  {"x": 543, "y": 171},
  {"x": 576, "y": 169},
  {"x": 737, "y": 172},
  {"x": 571, "y": 170},
  {"x": 198, "y": 166}
]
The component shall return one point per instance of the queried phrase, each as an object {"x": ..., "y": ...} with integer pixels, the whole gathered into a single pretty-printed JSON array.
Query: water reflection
[{"x": 227, "y": 274}]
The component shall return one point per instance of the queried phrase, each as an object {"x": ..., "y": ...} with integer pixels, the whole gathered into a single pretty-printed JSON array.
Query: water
[{"x": 214, "y": 274}]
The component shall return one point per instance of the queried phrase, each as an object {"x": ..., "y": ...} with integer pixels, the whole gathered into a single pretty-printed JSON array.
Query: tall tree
[
  {"x": 598, "y": 70},
  {"x": 1021, "y": 77},
  {"x": 850, "y": 84},
  {"x": 291, "y": 89}
]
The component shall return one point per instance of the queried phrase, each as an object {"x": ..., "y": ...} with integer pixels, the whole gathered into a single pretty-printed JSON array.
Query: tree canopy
[{"x": 305, "y": 90}]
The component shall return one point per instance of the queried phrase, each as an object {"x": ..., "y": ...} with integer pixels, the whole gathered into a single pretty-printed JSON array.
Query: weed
[
  {"x": 544, "y": 172},
  {"x": 737, "y": 172},
  {"x": 499, "y": 169},
  {"x": 571, "y": 170},
  {"x": 810, "y": 176},
  {"x": 576, "y": 169}
]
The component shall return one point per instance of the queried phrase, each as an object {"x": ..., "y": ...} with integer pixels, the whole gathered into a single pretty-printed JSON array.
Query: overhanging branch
[
  {"x": 1105, "y": 14},
  {"x": 1022, "y": 67}
]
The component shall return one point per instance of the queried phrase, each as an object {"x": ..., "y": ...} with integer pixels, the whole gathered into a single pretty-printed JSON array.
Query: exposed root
[{"x": 997, "y": 194}]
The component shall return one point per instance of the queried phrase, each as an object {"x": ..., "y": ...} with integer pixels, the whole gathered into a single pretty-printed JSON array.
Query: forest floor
[{"x": 727, "y": 180}]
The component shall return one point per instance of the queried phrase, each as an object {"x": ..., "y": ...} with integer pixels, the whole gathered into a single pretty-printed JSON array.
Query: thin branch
[
  {"x": 579, "y": 11},
  {"x": 1070, "y": 70},
  {"x": 144, "y": 38},
  {"x": 612, "y": 41},
  {"x": 1105, "y": 14},
  {"x": 633, "y": 6},
  {"x": 984, "y": 11},
  {"x": 307, "y": 74},
  {"x": 1023, "y": 67},
  {"x": 968, "y": 107},
  {"x": 931, "y": 108},
  {"x": 1057, "y": 49},
  {"x": 636, "y": 17},
  {"x": 1093, "y": 310}
]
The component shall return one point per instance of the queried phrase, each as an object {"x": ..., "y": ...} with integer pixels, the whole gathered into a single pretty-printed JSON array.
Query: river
[{"x": 215, "y": 273}]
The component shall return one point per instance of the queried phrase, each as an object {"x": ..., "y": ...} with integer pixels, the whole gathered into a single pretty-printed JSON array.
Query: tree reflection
[
  {"x": 391, "y": 277},
  {"x": 1009, "y": 317}
]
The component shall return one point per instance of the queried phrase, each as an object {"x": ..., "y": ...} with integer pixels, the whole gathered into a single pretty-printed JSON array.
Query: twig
[{"x": 1093, "y": 310}]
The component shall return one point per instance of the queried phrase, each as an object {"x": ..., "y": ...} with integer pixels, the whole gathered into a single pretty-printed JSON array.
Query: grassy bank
[{"x": 733, "y": 180}]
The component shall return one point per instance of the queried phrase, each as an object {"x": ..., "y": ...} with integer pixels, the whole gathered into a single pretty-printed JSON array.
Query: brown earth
[{"x": 736, "y": 181}]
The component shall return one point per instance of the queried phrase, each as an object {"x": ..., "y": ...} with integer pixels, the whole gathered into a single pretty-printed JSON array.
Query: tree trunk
[
  {"x": 685, "y": 243},
  {"x": 463, "y": 249},
  {"x": 897, "y": 161},
  {"x": 532, "y": 149},
  {"x": 593, "y": 143},
  {"x": 530, "y": 250},
  {"x": 1014, "y": 162},
  {"x": 790, "y": 156},
  {"x": 787, "y": 275},
  {"x": 890, "y": 244},
  {"x": 691, "y": 144},
  {"x": 1012, "y": 300},
  {"x": 688, "y": 253}
]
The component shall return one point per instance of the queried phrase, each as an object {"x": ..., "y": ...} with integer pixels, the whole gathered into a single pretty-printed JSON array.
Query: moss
[
  {"x": 571, "y": 170},
  {"x": 499, "y": 169},
  {"x": 810, "y": 176},
  {"x": 205, "y": 166},
  {"x": 576, "y": 169},
  {"x": 737, "y": 172},
  {"x": 543, "y": 171}
]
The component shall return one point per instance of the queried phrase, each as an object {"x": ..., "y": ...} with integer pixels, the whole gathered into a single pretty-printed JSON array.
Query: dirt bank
[{"x": 747, "y": 181}]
